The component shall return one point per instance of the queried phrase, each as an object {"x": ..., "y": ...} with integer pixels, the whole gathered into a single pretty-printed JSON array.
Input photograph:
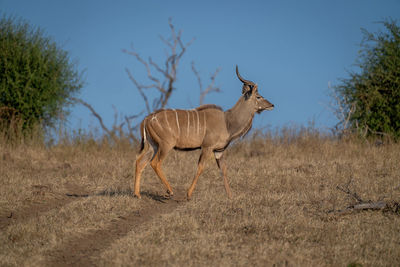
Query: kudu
[{"x": 207, "y": 127}]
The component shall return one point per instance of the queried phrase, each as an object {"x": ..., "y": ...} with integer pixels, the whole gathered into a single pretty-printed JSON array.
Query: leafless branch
[
  {"x": 196, "y": 73},
  {"x": 364, "y": 205},
  {"x": 346, "y": 190},
  {"x": 140, "y": 89},
  {"x": 131, "y": 129},
  {"x": 163, "y": 72},
  {"x": 94, "y": 113},
  {"x": 210, "y": 88},
  {"x": 342, "y": 109},
  {"x": 116, "y": 128}
]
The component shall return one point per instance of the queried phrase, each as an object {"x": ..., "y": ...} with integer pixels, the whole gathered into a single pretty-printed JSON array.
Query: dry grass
[{"x": 280, "y": 214}]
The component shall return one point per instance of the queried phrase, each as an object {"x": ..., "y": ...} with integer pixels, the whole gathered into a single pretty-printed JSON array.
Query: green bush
[
  {"x": 371, "y": 99},
  {"x": 37, "y": 78}
]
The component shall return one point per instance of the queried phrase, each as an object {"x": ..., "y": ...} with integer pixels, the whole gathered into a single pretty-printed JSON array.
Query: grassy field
[{"x": 73, "y": 205}]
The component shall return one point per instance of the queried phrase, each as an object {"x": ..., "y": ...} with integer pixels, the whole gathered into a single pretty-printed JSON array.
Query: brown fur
[{"x": 209, "y": 106}]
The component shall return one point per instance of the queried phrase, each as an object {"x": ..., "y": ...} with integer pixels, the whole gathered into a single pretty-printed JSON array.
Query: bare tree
[
  {"x": 161, "y": 77},
  {"x": 164, "y": 82}
]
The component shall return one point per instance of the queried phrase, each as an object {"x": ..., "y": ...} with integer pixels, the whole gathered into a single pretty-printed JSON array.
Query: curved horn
[{"x": 240, "y": 77}]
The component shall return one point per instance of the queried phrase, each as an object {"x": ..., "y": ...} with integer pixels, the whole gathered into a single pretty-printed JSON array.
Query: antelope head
[{"x": 251, "y": 95}]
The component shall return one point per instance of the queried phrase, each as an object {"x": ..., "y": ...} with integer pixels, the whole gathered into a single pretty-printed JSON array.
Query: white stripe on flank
[
  {"x": 177, "y": 122},
  {"x": 192, "y": 112},
  {"x": 144, "y": 131},
  {"x": 198, "y": 121},
  {"x": 154, "y": 118},
  {"x": 187, "y": 134},
  {"x": 166, "y": 119},
  {"x": 205, "y": 124}
]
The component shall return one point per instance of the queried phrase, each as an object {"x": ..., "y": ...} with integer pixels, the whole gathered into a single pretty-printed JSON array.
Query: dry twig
[
  {"x": 210, "y": 88},
  {"x": 342, "y": 109},
  {"x": 98, "y": 117},
  {"x": 111, "y": 133},
  {"x": 362, "y": 204}
]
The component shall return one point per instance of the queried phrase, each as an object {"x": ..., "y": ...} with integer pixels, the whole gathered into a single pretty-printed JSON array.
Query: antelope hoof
[
  {"x": 137, "y": 196},
  {"x": 169, "y": 194}
]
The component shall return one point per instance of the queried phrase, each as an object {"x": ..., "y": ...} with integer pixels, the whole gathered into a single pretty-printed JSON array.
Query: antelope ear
[{"x": 248, "y": 90}]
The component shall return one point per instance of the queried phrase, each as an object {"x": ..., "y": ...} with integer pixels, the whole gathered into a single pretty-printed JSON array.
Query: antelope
[{"x": 207, "y": 127}]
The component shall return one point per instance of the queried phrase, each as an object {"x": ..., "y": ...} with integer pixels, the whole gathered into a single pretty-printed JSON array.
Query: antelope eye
[{"x": 258, "y": 97}]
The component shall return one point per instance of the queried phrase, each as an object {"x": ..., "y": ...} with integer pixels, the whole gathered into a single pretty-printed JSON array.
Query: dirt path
[
  {"x": 8, "y": 218},
  {"x": 84, "y": 250},
  {"x": 46, "y": 201}
]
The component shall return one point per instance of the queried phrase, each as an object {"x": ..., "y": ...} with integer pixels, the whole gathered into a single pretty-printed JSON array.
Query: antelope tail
[{"x": 143, "y": 134}]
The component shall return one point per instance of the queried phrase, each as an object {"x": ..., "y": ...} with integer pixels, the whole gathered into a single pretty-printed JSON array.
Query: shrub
[
  {"x": 370, "y": 100},
  {"x": 37, "y": 78}
]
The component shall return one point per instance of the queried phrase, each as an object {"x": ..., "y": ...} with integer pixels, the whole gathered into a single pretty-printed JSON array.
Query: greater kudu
[{"x": 207, "y": 127}]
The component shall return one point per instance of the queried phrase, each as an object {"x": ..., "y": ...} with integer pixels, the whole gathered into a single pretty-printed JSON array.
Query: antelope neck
[{"x": 239, "y": 118}]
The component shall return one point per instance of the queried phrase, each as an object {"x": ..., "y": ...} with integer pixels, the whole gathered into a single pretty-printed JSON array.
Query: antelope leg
[
  {"x": 219, "y": 157},
  {"x": 156, "y": 165},
  {"x": 200, "y": 167},
  {"x": 141, "y": 161}
]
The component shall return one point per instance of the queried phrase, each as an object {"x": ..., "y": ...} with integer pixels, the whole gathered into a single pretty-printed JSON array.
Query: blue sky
[{"x": 292, "y": 49}]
